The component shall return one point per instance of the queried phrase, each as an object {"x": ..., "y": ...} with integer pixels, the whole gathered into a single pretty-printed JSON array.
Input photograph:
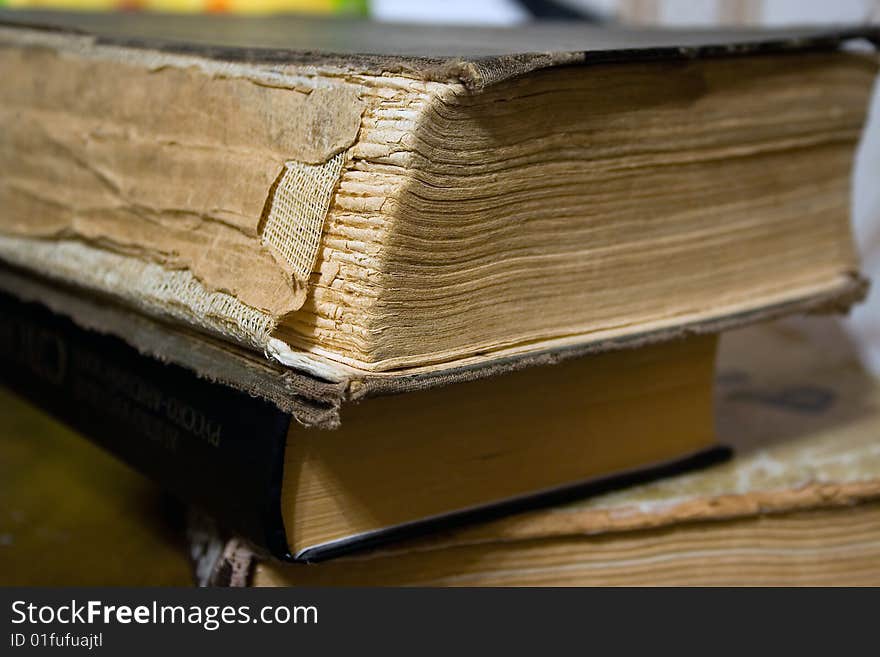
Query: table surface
[{"x": 70, "y": 514}]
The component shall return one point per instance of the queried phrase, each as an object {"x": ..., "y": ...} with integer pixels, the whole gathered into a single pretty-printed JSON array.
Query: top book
[{"x": 351, "y": 198}]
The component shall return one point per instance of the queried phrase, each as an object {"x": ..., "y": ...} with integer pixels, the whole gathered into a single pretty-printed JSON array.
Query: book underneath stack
[{"x": 443, "y": 308}]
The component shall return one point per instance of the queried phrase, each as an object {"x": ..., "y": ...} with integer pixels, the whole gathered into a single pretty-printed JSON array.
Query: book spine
[{"x": 209, "y": 444}]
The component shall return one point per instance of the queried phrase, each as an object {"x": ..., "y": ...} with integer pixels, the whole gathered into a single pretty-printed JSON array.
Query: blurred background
[
  {"x": 863, "y": 323},
  {"x": 510, "y": 12}
]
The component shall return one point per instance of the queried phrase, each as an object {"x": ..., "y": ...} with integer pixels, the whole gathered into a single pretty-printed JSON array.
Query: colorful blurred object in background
[{"x": 343, "y": 7}]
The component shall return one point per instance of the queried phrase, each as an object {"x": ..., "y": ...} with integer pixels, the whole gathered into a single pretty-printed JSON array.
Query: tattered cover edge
[
  {"x": 311, "y": 401},
  {"x": 317, "y": 403},
  {"x": 475, "y": 72},
  {"x": 219, "y": 558}
]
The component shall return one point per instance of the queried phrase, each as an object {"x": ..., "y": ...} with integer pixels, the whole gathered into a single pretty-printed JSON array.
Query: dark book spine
[{"x": 209, "y": 444}]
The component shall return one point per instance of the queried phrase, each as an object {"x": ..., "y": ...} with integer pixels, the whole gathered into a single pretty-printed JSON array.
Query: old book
[
  {"x": 72, "y": 515},
  {"x": 374, "y": 204},
  {"x": 399, "y": 464},
  {"x": 799, "y": 504}
]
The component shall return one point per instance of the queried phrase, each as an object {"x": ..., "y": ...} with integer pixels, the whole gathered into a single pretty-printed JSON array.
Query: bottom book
[{"x": 798, "y": 505}]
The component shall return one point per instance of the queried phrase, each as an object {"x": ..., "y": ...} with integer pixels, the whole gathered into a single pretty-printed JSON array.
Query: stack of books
[{"x": 399, "y": 305}]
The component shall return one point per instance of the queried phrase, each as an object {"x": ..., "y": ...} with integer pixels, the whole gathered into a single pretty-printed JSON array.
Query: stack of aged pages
[
  {"x": 799, "y": 504},
  {"x": 338, "y": 284}
]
